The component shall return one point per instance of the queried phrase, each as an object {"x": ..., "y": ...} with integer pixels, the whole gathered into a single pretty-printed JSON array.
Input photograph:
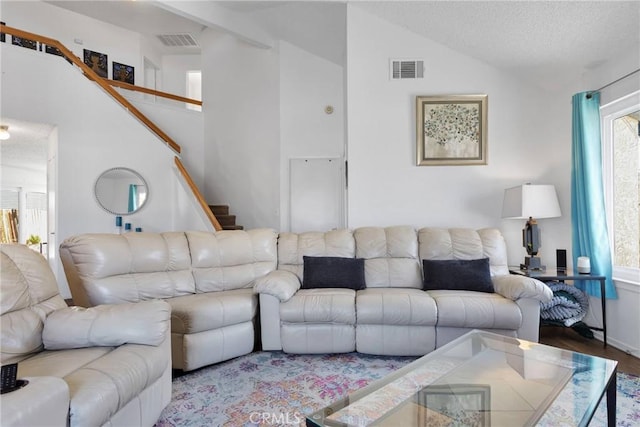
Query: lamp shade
[{"x": 531, "y": 201}]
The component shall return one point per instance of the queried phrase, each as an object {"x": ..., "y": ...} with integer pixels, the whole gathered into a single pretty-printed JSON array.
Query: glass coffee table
[{"x": 483, "y": 379}]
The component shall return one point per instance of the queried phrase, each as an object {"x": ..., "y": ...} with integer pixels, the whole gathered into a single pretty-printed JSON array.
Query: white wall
[
  {"x": 184, "y": 126},
  {"x": 174, "y": 72},
  {"x": 385, "y": 186},
  {"x": 307, "y": 85},
  {"x": 241, "y": 124}
]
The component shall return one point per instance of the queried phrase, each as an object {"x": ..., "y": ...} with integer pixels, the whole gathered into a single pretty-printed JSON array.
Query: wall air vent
[
  {"x": 406, "y": 69},
  {"x": 177, "y": 40}
]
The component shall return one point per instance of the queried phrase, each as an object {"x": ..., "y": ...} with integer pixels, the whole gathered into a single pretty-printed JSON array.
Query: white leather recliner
[{"x": 107, "y": 365}]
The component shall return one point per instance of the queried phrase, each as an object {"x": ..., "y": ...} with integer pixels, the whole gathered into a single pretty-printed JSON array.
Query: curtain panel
[{"x": 588, "y": 219}]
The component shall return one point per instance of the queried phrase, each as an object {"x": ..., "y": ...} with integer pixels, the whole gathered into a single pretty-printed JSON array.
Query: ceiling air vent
[
  {"x": 407, "y": 69},
  {"x": 178, "y": 40}
]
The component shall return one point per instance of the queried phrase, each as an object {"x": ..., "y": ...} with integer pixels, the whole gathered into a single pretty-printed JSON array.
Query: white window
[
  {"x": 621, "y": 175},
  {"x": 194, "y": 88}
]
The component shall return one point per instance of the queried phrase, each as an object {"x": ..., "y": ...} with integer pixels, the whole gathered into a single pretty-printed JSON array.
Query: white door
[{"x": 317, "y": 194}]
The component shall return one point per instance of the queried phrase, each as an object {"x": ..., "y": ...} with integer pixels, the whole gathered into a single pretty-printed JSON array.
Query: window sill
[{"x": 627, "y": 275}]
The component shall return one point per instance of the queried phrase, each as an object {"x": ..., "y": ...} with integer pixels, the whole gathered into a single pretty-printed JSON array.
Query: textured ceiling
[
  {"x": 27, "y": 147},
  {"x": 546, "y": 42}
]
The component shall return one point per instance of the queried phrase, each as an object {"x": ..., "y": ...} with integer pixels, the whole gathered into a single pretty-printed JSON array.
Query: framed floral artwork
[{"x": 451, "y": 130}]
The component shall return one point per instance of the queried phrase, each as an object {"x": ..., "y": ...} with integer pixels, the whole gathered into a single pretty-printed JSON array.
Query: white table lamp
[{"x": 528, "y": 202}]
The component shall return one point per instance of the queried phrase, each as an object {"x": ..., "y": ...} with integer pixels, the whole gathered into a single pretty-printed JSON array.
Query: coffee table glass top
[{"x": 480, "y": 379}]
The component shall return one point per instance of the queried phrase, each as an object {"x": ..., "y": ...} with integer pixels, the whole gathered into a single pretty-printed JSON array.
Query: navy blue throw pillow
[
  {"x": 333, "y": 272},
  {"x": 457, "y": 274}
]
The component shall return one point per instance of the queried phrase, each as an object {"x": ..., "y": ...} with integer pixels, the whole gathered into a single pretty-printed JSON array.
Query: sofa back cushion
[
  {"x": 231, "y": 259},
  {"x": 112, "y": 268},
  {"x": 132, "y": 267},
  {"x": 292, "y": 247},
  {"x": 465, "y": 244},
  {"x": 391, "y": 256},
  {"x": 29, "y": 293}
]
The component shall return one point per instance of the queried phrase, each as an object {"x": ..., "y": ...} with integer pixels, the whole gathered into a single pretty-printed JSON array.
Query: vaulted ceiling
[{"x": 542, "y": 41}]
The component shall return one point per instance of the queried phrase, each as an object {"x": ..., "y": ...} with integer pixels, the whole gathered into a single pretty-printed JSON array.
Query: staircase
[{"x": 228, "y": 222}]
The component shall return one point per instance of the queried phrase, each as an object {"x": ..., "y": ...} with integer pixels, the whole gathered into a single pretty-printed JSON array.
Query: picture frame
[
  {"x": 97, "y": 62},
  {"x": 451, "y": 130},
  {"x": 455, "y": 404},
  {"x": 122, "y": 72},
  {"x": 26, "y": 43},
  {"x": 52, "y": 50}
]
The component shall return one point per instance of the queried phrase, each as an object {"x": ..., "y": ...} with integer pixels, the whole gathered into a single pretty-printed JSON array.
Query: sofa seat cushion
[
  {"x": 395, "y": 306},
  {"x": 323, "y": 305},
  {"x": 206, "y": 311},
  {"x": 59, "y": 363},
  {"x": 470, "y": 309}
]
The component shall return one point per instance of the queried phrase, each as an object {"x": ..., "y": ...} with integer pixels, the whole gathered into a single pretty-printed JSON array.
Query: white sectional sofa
[
  {"x": 392, "y": 314},
  {"x": 212, "y": 282}
]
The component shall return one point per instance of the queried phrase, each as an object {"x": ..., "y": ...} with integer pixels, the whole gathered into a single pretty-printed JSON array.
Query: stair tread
[
  {"x": 219, "y": 209},
  {"x": 232, "y": 227},
  {"x": 226, "y": 219}
]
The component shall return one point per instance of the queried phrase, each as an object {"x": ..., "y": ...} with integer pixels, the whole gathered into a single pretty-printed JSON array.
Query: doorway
[{"x": 27, "y": 160}]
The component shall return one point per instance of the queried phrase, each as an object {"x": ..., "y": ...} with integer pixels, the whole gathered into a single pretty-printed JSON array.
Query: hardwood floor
[{"x": 570, "y": 340}]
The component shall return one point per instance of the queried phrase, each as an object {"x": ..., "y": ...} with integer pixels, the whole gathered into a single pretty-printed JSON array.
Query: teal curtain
[
  {"x": 133, "y": 197},
  {"x": 589, "y": 223}
]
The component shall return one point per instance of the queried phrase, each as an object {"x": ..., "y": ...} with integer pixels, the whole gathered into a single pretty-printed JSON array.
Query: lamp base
[{"x": 532, "y": 263}]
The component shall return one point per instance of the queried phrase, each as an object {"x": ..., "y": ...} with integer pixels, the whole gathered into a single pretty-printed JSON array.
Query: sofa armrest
[
  {"x": 44, "y": 401},
  {"x": 145, "y": 322},
  {"x": 515, "y": 286},
  {"x": 281, "y": 284}
]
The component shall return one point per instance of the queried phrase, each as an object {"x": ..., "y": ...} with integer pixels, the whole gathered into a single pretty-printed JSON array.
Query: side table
[{"x": 568, "y": 274}]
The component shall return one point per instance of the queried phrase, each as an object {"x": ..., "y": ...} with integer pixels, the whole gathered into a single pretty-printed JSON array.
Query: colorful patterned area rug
[{"x": 277, "y": 389}]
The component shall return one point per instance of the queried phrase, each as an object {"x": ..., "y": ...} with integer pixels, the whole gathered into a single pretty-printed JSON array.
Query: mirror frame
[{"x": 119, "y": 168}]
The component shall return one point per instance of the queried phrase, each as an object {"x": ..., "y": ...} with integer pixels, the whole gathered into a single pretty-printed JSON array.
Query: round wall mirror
[{"x": 121, "y": 191}]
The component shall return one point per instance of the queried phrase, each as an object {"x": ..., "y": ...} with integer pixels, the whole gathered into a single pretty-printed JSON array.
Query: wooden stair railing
[
  {"x": 69, "y": 55},
  {"x": 106, "y": 86},
  {"x": 198, "y": 195},
  {"x": 154, "y": 92}
]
